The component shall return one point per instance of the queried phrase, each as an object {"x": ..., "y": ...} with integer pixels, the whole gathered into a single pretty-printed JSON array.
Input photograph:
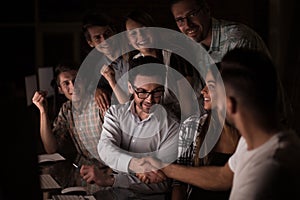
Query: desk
[{"x": 66, "y": 175}]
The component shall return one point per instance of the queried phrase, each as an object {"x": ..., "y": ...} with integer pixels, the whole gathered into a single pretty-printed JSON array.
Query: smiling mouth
[
  {"x": 147, "y": 105},
  {"x": 142, "y": 43},
  {"x": 191, "y": 31},
  {"x": 104, "y": 46}
]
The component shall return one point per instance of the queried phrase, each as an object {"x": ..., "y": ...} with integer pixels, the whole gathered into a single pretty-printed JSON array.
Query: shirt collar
[{"x": 132, "y": 110}]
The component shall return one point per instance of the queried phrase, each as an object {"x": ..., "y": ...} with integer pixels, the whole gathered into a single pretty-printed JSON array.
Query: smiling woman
[{"x": 201, "y": 143}]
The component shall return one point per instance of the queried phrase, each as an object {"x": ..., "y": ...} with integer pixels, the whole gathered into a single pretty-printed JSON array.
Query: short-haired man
[{"x": 138, "y": 128}]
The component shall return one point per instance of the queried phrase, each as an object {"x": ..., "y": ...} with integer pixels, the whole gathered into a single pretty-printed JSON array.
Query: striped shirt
[{"x": 227, "y": 35}]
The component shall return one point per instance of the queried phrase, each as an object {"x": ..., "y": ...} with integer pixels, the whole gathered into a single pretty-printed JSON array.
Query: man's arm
[
  {"x": 109, "y": 74},
  {"x": 206, "y": 177},
  {"x": 118, "y": 159},
  {"x": 48, "y": 139}
]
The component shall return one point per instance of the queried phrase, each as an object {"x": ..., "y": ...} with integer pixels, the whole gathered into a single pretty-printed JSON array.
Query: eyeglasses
[
  {"x": 144, "y": 94},
  {"x": 190, "y": 16}
]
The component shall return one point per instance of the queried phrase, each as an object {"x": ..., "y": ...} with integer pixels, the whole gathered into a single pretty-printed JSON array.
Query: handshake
[{"x": 148, "y": 169}]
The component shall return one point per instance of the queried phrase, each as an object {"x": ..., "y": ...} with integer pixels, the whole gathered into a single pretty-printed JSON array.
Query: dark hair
[
  {"x": 200, "y": 3},
  {"x": 154, "y": 70},
  {"x": 96, "y": 19},
  {"x": 63, "y": 67},
  {"x": 142, "y": 17},
  {"x": 251, "y": 75}
]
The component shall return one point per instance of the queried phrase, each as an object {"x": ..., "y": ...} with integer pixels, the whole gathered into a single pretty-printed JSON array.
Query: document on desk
[
  {"x": 48, "y": 182},
  {"x": 54, "y": 157},
  {"x": 72, "y": 197}
]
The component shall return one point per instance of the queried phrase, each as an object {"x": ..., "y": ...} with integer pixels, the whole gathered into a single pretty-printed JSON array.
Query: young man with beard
[{"x": 136, "y": 129}]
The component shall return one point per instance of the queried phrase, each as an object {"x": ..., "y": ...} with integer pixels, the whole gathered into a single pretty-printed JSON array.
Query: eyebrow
[
  {"x": 189, "y": 12},
  {"x": 211, "y": 81},
  {"x": 159, "y": 87}
]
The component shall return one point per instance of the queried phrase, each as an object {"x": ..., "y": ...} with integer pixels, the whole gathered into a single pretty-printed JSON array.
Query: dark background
[{"x": 41, "y": 33}]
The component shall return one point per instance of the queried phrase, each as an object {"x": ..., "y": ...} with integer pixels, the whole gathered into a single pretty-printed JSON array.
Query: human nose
[
  {"x": 150, "y": 97},
  {"x": 139, "y": 33},
  {"x": 102, "y": 39},
  {"x": 71, "y": 85},
  {"x": 204, "y": 90},
  {"x": 188, "y": 21}
]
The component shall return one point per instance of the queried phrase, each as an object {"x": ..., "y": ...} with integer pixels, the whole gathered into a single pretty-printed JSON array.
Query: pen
[
  {"x": 102, "y": 167},
  {"x": 75, "y": 165}
]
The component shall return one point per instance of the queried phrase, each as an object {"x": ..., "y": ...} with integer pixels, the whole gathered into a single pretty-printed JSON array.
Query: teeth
[
  {"x": 141, "y": 43},
  {"x": 191, "y": 31}
]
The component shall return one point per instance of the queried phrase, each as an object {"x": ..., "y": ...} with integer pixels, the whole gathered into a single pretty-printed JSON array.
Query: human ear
[
  {"x": 231, "y": 105},
  {"x": 90, "y": 43},
  {"x": 130, "y": 88},
  {"x": 60, "y": 90}
]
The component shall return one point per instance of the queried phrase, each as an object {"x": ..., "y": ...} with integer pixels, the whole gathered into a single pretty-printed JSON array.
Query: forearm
[
  {"x": 117, "y": 90},
  {"x": 48, "y": 139},
  {"x": 207, "y": 177}
]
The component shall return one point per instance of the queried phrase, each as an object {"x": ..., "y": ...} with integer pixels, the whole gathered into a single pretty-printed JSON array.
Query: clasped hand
[{"x": 147, "y": 169}]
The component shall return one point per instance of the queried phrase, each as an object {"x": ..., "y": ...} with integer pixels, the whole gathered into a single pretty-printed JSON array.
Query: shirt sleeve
[
  {"x": 241, "y": 148},
  {"x": 110, "y": 141}
]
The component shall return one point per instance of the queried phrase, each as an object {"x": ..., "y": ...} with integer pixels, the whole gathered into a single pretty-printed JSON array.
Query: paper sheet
[
  {"x": 50, "y": 157},
  {"x": 45, "y": 75},
  {"x": 31, "y": 87}
]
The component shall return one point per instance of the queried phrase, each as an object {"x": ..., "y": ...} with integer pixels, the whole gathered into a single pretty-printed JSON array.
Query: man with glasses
[
  {"x": 217, "y": 36},
  {"x": 136, "y": 129}
]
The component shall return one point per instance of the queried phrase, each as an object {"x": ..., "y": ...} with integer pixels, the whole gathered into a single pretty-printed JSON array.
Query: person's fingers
[
  {"x": 36, "y": 97},
  {"x": 153, "y": 178},
  {"x": 84, "y": 169},
  {"x": 156, "y": 176},
  {"x": 104, "y": 69},
  {"x": 103, "y": 101},
  {"x": 106, "y": 101},
  {"x": 89, "y": 179},
  {"x": 161, "y": 175},
  {"x": 99, "y": 100},
  {"x": 141, "y": 176},
  {"x": 145, "y": 179},
  {"x": 86, "y": 177}
]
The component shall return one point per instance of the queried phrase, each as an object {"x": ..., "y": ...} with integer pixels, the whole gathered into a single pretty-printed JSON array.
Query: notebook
[
  {"x": 48, "y": 183},
  {"x": 50, "y": 157},
  {"x": 72, "y": 197}
]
